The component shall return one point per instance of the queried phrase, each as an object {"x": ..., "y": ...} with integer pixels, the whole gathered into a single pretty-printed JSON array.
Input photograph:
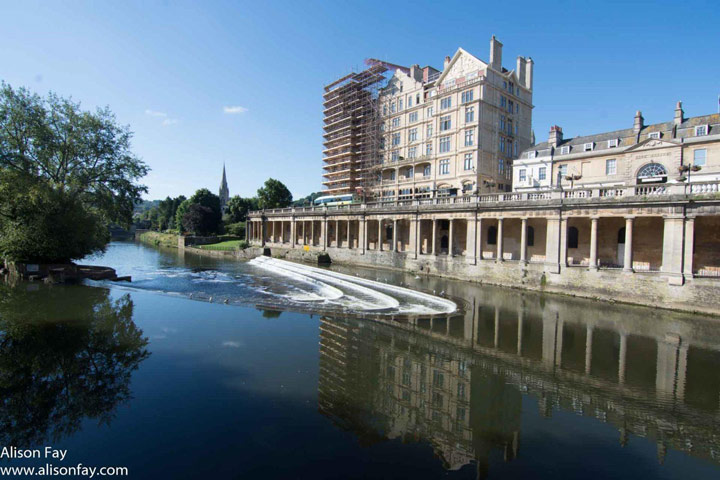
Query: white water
[{"x": 355, "y": 293}]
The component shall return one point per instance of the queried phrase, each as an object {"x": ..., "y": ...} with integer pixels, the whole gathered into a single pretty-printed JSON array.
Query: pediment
[
  {"x": 651, "y": 144},
  {"x": 461, "y": 65}
]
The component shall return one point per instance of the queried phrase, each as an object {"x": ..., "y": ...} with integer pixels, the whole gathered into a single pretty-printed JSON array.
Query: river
[{"x": 209, "y": 368}]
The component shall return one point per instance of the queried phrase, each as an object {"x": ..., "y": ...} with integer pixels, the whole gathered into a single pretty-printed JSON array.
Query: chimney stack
[
  {"x": 496, "y": 54},
  {"x": 520, "y": 70},
  {"x": 639, "y": 122},
  {"x": 447, "y": 62},
  {"x": 679, "y": 114},
  {"x": 416, "y": 73},
  {"x": 556, "y": 136},
  {"x": 529, "y": 73}
]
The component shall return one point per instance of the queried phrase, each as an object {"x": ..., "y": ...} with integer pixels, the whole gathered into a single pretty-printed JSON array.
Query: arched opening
[
  {"x": 621, "y": 236},
  {"x": 530, "y": 236},
  {"x": 573, "y": 237},
  {"x": 652, "y": 173},
  {"x": 492, "y": 235}
]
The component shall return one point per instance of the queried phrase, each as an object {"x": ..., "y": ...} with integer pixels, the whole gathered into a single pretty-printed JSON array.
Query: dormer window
[
  {"x": 655, "y": 135},
  {"x": 613, "y": 143},
  {"x": 565, "y": 150},
  {"x": 588, "y": 147},
  {"x": 701, "y": 130},
  {"x": 532, "y": 154}
]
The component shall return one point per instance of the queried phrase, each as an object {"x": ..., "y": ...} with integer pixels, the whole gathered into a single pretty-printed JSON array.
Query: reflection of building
[
  {"x": 458, "y": 384},
  {"x": 646, "y": 157}
]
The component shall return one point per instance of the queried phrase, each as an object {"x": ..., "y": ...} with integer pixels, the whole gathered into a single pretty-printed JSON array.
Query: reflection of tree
[
  {"x": 271, "y": 313},
  {"x": 66, "y": 354}
]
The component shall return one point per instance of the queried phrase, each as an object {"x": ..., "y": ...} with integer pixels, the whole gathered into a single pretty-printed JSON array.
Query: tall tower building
[{"x": 224, "y": 193}]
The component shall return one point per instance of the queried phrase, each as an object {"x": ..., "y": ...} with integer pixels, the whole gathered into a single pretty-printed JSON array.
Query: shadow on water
[{"x": 66, "y": 355}]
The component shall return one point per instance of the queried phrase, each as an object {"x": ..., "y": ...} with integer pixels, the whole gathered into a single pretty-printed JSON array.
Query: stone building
[
  {"x": 649, "y": 157},
  {"x": 455, "y": 131},
  {"x": 224, "y": 192}
]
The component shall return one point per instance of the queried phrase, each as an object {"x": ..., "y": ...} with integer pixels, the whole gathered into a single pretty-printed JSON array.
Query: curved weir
[{"x": 372, "y": 295}]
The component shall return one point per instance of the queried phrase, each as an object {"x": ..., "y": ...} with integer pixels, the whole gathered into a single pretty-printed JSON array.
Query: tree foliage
[
  {"x": 65, "y": 174},
  {"x": 308, "y": 200},
  {"x": 274, "y": 194},
  {"x": 162, "y": 216},
  {"x": 211, "y": 220},
  {"x": 200, "y": 220},
  {"x": 238, "y": 208}
]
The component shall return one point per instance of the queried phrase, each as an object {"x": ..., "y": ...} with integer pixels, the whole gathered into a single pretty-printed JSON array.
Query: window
[
  {"x": 410, "y": 172},
  {"x": 652, "y": 170},
  {"x": 542, "y": 173},
  {"x": 502, "y": 123},
  {"x": 461, "y": 391},
  {"x": 426, "y": 171},
  {"x": 511, "y": 87},
  {"x": 503, "y": 102},
  {"x": 573, "y": 237},
  {"x": 395, "y": 139},
  {"x": 469, "y": 137},
  {"x": 467, "y": 188},
  {"x": 517, "y": 108},
  {"x": 444, "y": 166},
  {"x": 564, "y": 150},
  {"x": 610, "y": 167},
  {"x": 515, "y": 149},
  {"x": 430, "y": 111},
  {"x": 417, "y": 99},
  {"x": 612, "y": 143},
  {"x": 699, "y": 157},
  {"x": 392, "y": 174},
  {"x": 413, "y": 117},
  {"x": 654, "y": 135},
  {"x": 511, "y": 106},
  {"x": 701, "y": 130},
  {"x": 384, "y": 109},
  {"x": 412, "y": 152},
  {"x": 492, "y": 236},
  {"x": 563, "y": 170},
  {"x": 400, "y": 104},
  {"x": 429, "y": 131},
  {"x": 466, "y": 96},
  {"x": 445, "y": 123},
  {"x": 502, "y": 145},
  {"x": 412, "y": 135},
  {"x": 444, "y": 144},
  {"x": 428, "y": 149},
  {"x": 530, "y": 236},
  {"x": 509, "y": 127},
  {"x": 394, "y": 156},
  {"x": 468, "y": 164},
  {"x": 396, "y": 122},
  {"x": 522, "y": 175},
  {"x": 531, "y": 154},
  {"x": 588, "y": 147},
  {"x": 445, "y": 103},
  {"x": 501, "y": 165},
  {"x": 392, "y": 107},
  {"x": 409, "y": 101},
  {"x": 469, "y": 114}
]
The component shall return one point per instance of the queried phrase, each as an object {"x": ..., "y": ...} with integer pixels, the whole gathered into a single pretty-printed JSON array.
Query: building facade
[
  {"x": 652, "y": 158},
  {"x": 455, "y": 131}
]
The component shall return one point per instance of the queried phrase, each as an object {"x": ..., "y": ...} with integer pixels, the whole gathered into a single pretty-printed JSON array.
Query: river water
[{"x": 208, "y": 368}]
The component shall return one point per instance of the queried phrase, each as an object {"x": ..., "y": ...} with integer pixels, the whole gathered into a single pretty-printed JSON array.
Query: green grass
[{"x": 229, "y": 245}]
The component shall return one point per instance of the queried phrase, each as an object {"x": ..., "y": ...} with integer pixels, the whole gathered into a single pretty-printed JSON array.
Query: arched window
[
  {"x": 621, "y": 235},
  {"x": 573, "y": 237},
  {"x": 530, "y": 236},
  {"x": 492, "y": 236},
  {"x": 652, "y": 172}
]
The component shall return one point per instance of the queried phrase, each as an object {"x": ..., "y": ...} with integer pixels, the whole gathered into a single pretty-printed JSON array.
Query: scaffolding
[{"x": 352, "y": 130}]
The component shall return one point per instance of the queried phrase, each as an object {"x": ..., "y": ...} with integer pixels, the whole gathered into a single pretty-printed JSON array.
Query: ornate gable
[
  {"x": 462, "y": 65},
  {"x": 651, "y": 144}
]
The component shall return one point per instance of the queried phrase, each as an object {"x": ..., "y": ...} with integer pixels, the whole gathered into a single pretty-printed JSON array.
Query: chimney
[
  {"x": 520, "y": 70},
  {"x": 416, "y": 73},
  {"x": 496, "y": 54},
  {"x": 556, "y": 136},
  {"x": 529, "y": 73},
  {"x": 447, "y": 62},
  {"x": 679, "y": 114},
  {"x": 639, "y": 122}
]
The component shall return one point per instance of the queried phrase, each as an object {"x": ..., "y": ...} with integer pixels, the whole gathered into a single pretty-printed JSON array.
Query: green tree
[
  {"x": 274, "y": 194},
  {"x": 301, "y": 202},
  {"x": 238, "y": 208},
  {"x": 180, "y": 213},
  {"x": 200, "y": 220},
  {"x": 65, "y": 175},
  {"x": 204, "y": 198}
]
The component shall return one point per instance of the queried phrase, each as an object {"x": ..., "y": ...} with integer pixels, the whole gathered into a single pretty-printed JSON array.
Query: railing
[{"x": 605, "y": 193}]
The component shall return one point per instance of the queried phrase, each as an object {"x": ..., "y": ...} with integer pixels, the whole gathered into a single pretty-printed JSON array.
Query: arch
[
  {"x": 573, "y": 237},
  {"x": 492, "y": 235},
  {"x": 652, "y": 172},
  {"x": 621, "y": 236},
  {"x": 530, "y": 236}
]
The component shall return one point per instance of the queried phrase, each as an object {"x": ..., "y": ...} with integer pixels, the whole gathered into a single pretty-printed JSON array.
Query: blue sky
[{"x": 169, "y": 69}]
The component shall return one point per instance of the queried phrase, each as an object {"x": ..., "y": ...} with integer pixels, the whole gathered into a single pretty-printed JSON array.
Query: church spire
[{"x": 224, "y": 191}]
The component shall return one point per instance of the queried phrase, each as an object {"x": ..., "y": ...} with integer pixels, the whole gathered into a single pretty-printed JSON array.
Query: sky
[{"x": 240, "y": 83}]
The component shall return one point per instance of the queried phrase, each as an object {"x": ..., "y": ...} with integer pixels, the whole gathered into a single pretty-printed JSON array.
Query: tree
[
  {"x": 204, "y": 198},
  {"x": 65, "y": 175},
  {"x": 200, "y": 220},
  {"x": 301, "y": 202},
  {"x": 238, "y": 208},
  {"x": 274, "y": 194}
]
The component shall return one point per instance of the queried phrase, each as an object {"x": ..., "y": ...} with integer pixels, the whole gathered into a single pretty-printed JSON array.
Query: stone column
[
  {"x": 362, "y": 231},
  {"x": 689, "y": 247},
  {"x": 563, "y": 242},
  {"x": 471, "y": 240},
  {"x": 500, "y": 241},
  {"x": 312, "y": 232},
  {"x": 293, "y": 232},
  {"x": 588, "y": 349},
  {"x": 673, "y": 251},
  {"x": 349, "y": 240},
  {"x": 627, "y": 262},
  {"x": 478, "y": 238},
  {"x": 395, "y": 236},
  {"x": 434, "y": 235},
  {"x": 523, "y": 241},
  {"x": 337, "y": 233},
  {"x": 593, "y": 243},
  {"x": 247, "y": 229},
  {"x": 418, "y": 236},
  {"x": 552, "y": 245},
  {"x": 451, "y": 237},
  {"x": 380, "y": 239},
  {"x": 263, "y": 231},
  {"x": 282, "y": 232}
]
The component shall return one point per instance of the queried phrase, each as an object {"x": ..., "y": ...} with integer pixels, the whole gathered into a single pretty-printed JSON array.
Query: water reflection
[
  {"x": 459, "y": 382},
  {"x": 66, "y": 355}
]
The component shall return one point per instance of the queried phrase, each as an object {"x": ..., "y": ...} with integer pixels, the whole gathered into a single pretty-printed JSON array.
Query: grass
[{"x": 228, "y": 245}]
